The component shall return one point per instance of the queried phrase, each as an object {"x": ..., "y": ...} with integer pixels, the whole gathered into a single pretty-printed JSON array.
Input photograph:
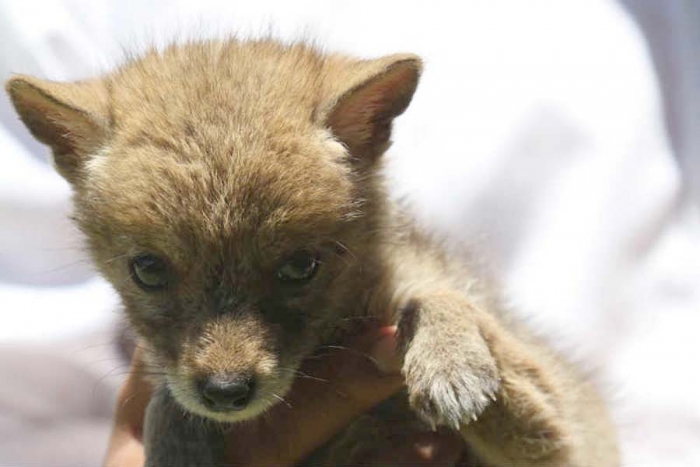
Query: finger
[
  {"x": 134, "y": 397},
  {"x": 435, "y": 449},
  {"x": 363, "y": 369},
  {"x": 124, "y": 451},
  {"x": 125, "y": 445},
  {"x": 342, "y": 383}
]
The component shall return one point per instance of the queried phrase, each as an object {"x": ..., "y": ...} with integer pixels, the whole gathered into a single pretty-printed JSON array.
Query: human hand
[{"x": 346, "y": 382}]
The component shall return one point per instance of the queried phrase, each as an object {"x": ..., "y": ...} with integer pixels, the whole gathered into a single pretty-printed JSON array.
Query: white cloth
[{"x": 539, "y": 135}]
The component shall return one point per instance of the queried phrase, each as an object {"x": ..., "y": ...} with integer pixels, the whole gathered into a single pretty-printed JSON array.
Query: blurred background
[{"x": 559, "y": 139}]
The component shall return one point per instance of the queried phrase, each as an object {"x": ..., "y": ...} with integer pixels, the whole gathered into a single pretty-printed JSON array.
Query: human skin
[{"x": 346, "y": 383}]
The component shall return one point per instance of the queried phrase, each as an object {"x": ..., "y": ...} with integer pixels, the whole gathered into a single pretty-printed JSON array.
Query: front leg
[
  {"x": 173, "y": 438},
  {"x": 515, "y": 401},
  {"x": 450, "y": 373}
]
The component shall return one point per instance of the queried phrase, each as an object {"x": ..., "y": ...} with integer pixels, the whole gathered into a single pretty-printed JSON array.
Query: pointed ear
[
  {"x": 375, "y": 93},
  {"x": 68, "y": 117}
]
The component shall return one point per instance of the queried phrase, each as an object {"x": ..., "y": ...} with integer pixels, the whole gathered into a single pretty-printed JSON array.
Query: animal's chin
[
  {"x": 270, "y": 394},
  {"x": 255, "y": 408}
]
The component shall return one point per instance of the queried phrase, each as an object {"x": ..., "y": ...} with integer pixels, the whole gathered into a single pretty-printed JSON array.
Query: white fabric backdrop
[{"x": 539, "y": 135}]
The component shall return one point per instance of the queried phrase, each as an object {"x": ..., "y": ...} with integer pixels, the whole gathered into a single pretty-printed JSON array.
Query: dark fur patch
[{"x": 407, "y": 323}]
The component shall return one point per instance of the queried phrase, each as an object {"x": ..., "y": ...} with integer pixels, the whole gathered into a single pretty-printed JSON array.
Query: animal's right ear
[{"x": 68, "y": 117}]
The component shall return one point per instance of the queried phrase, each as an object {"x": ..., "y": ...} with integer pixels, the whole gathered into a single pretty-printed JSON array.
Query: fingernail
[
  {"x": 438, "y": 449},
  {"x": 384, "y": 351}
]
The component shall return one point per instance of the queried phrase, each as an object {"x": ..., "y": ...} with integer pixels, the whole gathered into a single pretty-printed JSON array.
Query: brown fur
[{"x": 226, "y": 157}]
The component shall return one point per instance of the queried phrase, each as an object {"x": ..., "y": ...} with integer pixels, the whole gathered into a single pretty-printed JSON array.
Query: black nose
[{"x": 229, "y": 392}]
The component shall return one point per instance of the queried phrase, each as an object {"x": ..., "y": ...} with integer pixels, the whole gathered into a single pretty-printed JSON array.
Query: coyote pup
[{"x": 231, "y": 192}]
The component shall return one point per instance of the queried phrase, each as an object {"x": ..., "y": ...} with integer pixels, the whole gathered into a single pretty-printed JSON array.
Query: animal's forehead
[{"x": 260, "y": 197}]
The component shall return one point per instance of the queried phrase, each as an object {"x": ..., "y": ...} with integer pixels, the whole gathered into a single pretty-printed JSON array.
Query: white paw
[{"x": 450, "y": 389}]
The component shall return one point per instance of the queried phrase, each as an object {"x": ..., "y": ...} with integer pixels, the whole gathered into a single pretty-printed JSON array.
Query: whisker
[
  {"x": 93, "y": 346},
  {"x": 302, "y": 375},
  {"x": 283, "y": 400},
  {"x": 131, "y": 398},
  {"x": 111, "y": 260},
  {"x": 358, "y": 318},
  {"x": 351, "y": 350},
  {"x": 64, "y": 267}
]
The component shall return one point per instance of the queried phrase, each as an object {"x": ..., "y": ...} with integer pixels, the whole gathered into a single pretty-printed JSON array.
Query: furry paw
[{"x": 450, "y": 384}]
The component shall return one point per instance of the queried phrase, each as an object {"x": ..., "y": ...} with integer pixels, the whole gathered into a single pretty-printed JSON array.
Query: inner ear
[{"x": 362, "y": 117}]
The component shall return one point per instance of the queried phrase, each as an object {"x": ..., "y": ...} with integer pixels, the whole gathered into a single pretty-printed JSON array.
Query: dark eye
[
  {"x": 149, "y": 272},
  {"x": 300, "y": 267}
]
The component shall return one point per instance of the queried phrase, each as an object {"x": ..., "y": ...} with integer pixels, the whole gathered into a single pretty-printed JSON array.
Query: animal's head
[{"x": 229, "y": 192}]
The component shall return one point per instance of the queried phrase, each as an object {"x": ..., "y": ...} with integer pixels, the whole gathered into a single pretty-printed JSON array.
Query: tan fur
[{"x": 224, "y": 158}]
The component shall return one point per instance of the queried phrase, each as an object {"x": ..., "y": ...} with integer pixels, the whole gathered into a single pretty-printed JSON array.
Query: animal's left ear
[{"x": 375, "y": 92}]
